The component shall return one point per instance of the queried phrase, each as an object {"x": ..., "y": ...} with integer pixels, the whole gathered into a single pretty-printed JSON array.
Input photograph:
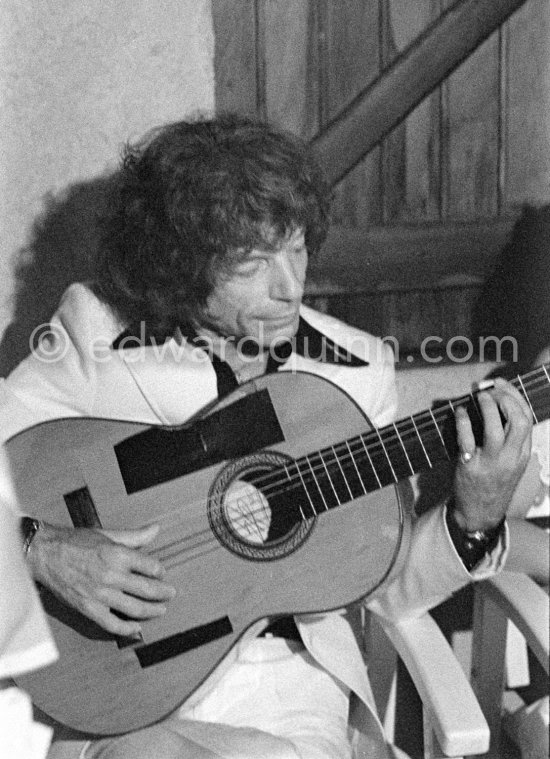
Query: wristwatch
[
  {"x": 29, "y": 527},
  {"x": 472, "y": 546}
]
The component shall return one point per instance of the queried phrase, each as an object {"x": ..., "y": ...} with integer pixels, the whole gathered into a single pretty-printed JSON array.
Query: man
[{"x": 206, "y": 253}]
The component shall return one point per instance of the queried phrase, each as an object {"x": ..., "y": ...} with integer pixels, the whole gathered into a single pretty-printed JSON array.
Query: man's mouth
[{"x": 281, "y": 319}]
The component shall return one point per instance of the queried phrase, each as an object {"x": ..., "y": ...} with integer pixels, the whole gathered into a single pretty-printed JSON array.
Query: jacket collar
[{"x": 309, "y": 342}]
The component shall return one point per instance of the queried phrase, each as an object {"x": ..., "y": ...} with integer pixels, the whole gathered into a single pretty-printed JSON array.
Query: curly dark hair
[{"x": 195, "y": 197}]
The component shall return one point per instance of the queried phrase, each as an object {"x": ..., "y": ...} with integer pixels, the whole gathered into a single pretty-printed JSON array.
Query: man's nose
[{"x": 288, "y": 281}]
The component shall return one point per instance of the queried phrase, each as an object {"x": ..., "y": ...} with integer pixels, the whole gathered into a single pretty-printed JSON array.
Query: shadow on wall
[
  {"x": 64, "y": 242},
  {"x": 515, "y": 301},
  {"x": 516, "y": 297}
]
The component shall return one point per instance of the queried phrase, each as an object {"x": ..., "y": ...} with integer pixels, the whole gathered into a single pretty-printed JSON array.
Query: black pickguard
[{"x": 162, "y": 454}]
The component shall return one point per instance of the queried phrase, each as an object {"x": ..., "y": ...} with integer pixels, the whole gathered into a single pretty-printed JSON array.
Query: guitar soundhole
[{"x": 254, "y": 511}]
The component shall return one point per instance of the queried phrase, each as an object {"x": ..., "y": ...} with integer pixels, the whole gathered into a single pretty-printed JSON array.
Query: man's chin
[
  {"x": 279, "y": 333},
  {"x": 268, "y": 334}
]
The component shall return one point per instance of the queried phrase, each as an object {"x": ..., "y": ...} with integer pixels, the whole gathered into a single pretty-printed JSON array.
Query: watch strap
[{"x": 472, "y": 547}]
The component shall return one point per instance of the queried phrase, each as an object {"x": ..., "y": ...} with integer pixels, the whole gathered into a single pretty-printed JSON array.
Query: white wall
[{"x": 76, "y": 80}]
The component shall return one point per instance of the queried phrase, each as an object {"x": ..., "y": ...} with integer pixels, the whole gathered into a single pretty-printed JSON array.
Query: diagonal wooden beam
[{"x": 382, "y": 105}]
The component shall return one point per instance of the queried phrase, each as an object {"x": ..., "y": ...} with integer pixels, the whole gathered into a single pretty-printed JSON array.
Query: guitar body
[{"x": 215, "y": 503}]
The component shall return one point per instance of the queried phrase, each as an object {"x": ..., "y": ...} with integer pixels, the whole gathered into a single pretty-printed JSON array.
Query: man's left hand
[{"x": 486, "y": 476}]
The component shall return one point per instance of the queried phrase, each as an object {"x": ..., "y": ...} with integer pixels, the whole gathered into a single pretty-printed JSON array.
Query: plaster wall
[{"x": 77, "y": 79}]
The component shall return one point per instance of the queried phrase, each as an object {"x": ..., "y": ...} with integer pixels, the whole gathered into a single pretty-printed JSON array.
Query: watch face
[
  {"x": 472, "y": 547},
  {"x": 29, "y": 528}
]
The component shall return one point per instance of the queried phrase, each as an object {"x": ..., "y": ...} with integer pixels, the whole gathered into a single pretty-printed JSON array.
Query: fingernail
[{"x": 486, "y": 384}]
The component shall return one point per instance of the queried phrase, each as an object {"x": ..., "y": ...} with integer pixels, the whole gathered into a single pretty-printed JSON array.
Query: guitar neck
[{"x": 336, "y": 475}]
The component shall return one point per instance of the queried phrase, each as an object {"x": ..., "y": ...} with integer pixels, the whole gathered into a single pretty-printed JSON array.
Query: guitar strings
[
  {"x": 391, "y": 444},
  {"x": 322, "y": 470},
  {"x": 372, "y": 443},
  {"x": 258, "y": 481}
]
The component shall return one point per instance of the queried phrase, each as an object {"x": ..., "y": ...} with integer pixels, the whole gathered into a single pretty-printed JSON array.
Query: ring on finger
[{"x": 466, "y": 456}]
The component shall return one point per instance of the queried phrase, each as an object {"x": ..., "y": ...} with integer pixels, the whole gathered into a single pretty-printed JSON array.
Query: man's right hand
[{"x": 99, "y": 572}]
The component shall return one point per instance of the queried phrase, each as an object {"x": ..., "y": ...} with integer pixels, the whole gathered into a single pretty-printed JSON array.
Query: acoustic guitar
[{"x": 281, "y": 499}]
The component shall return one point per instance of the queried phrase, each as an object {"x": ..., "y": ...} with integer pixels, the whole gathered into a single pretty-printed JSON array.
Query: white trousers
[{"x": 275, "y": 702}]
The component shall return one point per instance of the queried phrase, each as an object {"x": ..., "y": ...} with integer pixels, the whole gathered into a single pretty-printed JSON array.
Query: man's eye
[{"x": 249, "y": 268}]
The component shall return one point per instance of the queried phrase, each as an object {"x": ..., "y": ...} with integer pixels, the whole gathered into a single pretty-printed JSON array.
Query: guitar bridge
[{"x": 126, "y": 641}]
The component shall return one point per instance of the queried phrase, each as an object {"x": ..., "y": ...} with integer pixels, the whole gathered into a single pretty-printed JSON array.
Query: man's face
[{"x": 261, "y": 298}]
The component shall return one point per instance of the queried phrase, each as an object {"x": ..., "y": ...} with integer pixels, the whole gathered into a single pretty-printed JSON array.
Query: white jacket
[{"x": 76, "y": 372}]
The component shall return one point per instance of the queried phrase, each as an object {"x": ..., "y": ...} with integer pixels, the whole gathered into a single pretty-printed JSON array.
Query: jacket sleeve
[
  {"x": 432, "y": 569},
  {"x": 72, "y": 371},
  {"x": 384, "y": 406},
  {"x": 56, "y": 380}
]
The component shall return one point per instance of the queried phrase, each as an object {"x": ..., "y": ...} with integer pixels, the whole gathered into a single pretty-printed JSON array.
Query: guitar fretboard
[{"x": 338, "y": 474}]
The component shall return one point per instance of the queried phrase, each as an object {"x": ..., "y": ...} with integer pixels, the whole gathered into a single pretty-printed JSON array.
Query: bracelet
[
  {"x": 472, "y": 546},
  {"x": 29, "y": 527}
]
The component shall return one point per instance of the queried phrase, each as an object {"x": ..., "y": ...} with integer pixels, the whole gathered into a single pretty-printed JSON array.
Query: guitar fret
[
  {"x": 344, "y": 477},
  {"x": 477, "y": 422},
  {"x": 330, "y": 480},
  {"x": 285, "y": 467},
  {"x": 371, "y": 462},
  {"x": 360, "y": 479},
  {"x": 404, "y": 449},
  {"x": 528, "y": 399},
  {"x": 407, "y": 453},
  {"x": 475, "y": 406},
  {"x": 436, "y": 425},
  {"x": 421, "y": 443},
  {"x": 326, "y": 507},
  {"x": 304, "y": 487},
  {"x": 396, "y": 479}
]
